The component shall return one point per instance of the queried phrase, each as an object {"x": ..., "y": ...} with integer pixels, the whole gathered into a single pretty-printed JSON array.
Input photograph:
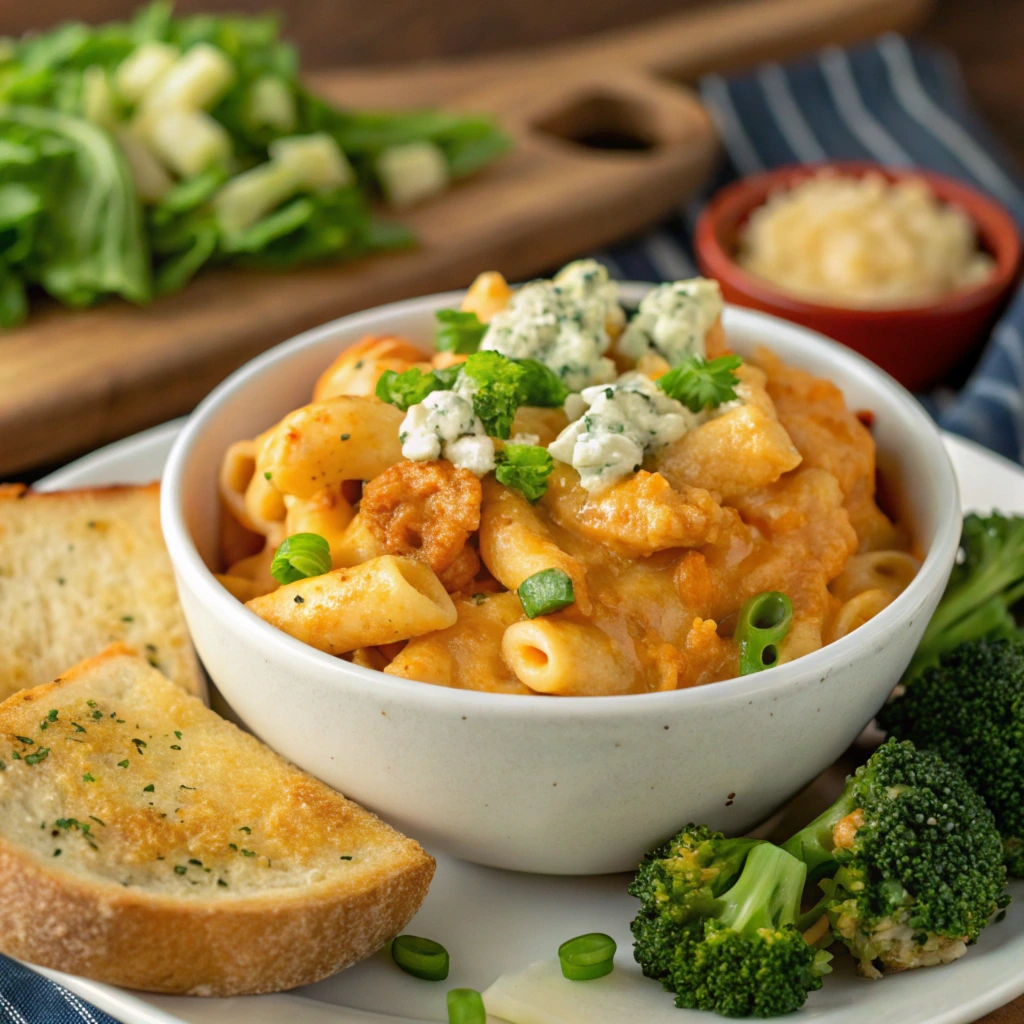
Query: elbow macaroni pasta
[{"x": 774, "y": 492}]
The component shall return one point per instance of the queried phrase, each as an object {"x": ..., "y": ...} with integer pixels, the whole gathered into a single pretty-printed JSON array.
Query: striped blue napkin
[
  {"x": 29, "y": 998},
  {"x": 892, "y": 101}
]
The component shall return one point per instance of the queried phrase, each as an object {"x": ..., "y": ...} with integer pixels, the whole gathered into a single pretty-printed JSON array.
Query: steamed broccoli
[
  {"x": 717, "y": 925},
  {"x": 970, "y": 711},
  {"x": 910, "y": 861},
  {"x": 984, "y": 585},
  {"x": 752, "y": 961},
  {"x": 675, "y": 884}
]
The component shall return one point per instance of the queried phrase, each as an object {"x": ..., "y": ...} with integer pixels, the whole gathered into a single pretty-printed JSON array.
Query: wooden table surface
[{"x": 985, "y": 35}]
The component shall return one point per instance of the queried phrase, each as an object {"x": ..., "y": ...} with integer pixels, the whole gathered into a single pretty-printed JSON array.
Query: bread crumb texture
[
  {"x": 147, "y": 842},
  {"x": 80, "y": 570}
]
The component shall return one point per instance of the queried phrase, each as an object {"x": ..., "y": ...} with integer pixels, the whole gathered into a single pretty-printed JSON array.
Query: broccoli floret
[
  {"x": 675, "y": 884},
  {"x": 970, "y": 711},
  {"x": 910, "y": 861},
  {"x": 987, "y": 581},
  {"x": 750, "y": 960}
]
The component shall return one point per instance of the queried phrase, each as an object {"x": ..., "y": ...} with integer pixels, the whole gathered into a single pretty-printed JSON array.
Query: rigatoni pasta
[{"x": 562, "y": 501}]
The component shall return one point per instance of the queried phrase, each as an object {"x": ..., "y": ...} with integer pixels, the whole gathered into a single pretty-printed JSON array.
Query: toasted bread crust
[
  {"x": 255, "y": 945},
  {"x": 221, "y": 944}
]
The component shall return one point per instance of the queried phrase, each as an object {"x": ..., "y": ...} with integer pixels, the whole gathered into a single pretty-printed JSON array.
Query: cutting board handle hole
[{"x": 604, "y": 122}]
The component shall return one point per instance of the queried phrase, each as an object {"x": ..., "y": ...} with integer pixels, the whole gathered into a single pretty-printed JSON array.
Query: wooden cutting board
[{"x": 70, "y": 381}]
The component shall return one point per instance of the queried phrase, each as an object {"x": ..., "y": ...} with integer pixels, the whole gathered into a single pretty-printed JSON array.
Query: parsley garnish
[
  {"x": 246, "y": 830},
  {"x": 78, "y": 728},
  {"x": 97, "y": 820},
  {"x": 702, "y": 384},
  {"x": 23, "y": 739},
  {"x": 458, "y": 331},
  {"x": 345, "y": 857},
  {"x": 122, "y": 764},
  {"x": 222, "y": 883},
  {"x": 87, "y": 777},
  {"x": 174, "y": 746},
  {"x": 543, "y": 386},
  {"x": 180, "y": 869},
  {"x": 502, "y": 386},
  {"x": 97, "y": 715},
  {"x": 526, "y": 467},
  {"x": 501, "y": 390},
  {"x": 52, "y": 715},
  {"x": 413, "y": 385},
  {"x": 40, "y": 755},
  {"x": 149, "y": 789},
  {"x": 139, "y": 745},
  {"x": 248, "y": 853}
]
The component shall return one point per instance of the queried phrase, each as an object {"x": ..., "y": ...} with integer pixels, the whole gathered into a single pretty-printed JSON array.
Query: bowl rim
[
  {"x": 993, "y": 222},
  {"x": 217, "y": 601}
]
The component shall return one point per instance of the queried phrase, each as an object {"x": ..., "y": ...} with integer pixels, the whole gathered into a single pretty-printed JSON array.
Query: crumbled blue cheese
[
  {"x": 622, "y": 422},
  {"x": 585, "y": 283},
  {"x": 673, "y": 320},
  {"x": 563, "y": 323},
  {"x": 445, "y": 424}
]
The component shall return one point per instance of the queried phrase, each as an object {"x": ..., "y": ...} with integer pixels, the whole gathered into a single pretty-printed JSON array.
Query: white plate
[{"x": 496, "y": 921}]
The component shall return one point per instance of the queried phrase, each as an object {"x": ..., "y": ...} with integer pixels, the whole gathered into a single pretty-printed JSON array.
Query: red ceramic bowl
[{"x": 916, "y": 344}]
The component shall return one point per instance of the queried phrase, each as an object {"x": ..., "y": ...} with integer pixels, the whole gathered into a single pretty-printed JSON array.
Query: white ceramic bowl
[{"x": 578, "y": 785}]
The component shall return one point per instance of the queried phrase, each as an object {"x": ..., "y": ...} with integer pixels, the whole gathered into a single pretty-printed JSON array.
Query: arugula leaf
[
  {"x": 501, "y": 390},
  {"x": 458, "y": 332},
  {"x": 702, "y": 384},
  {"x": 411, "y": 386},
  {"x": 542, "y": 386},
  {"x": 526, "y": 467}
]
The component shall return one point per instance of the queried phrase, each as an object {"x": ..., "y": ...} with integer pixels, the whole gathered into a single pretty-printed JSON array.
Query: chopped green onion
[
  {"x": 545, "y": 592},
  {"x": 422, "y": 958},
  {"x": 301, "y": 555},
  {"x": 466, "y": 1006},
  {"x": 587, "y": 956},
  {"x": 764, "y": 622}
]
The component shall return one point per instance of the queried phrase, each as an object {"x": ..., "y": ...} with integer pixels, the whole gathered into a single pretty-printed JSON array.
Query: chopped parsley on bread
[
  {"x": 80, "y": 570},
  {"x": 149, "y": 843}
]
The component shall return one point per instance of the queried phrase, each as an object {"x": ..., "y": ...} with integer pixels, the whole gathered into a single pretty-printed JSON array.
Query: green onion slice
[
  {"x": 587, "y": 956},
  {"x": 466, "y": 1006},
  {"x": 764, "y": 622},
  {"x": 545, "y": 592},
  {"x": 422, "y": 958},
  {"x": 300, "y": 556}
]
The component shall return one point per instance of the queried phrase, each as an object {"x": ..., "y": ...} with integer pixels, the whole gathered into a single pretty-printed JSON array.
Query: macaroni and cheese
[{"x": 559, "y": 501}]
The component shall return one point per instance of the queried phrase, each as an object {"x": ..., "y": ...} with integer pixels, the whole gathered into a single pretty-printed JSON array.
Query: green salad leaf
[{"x": 107, "y": 189}]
